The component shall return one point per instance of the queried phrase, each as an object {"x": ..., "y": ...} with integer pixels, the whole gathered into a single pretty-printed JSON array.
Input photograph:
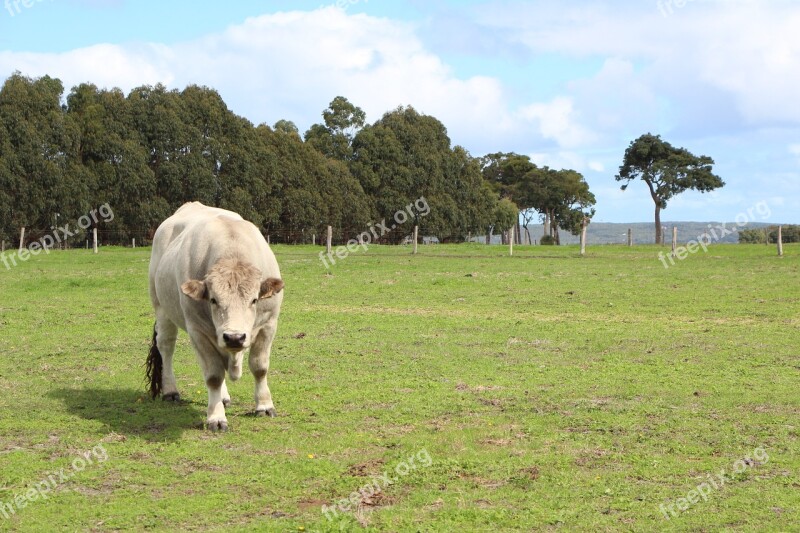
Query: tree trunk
[
  {"x": 584, "y": 224},
  {"x": 659, "y": 233},
  {"x": 657, "y": 201}
]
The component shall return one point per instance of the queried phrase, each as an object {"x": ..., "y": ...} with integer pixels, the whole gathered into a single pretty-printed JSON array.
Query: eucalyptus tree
[
  {"x": 406, "y": 156},
  {"x": 667, "y": 171},
  {"x": 334, "y": 138},
  {"x": 35, "y": 145},
  {"x": 109, "y": 164},
  {"x": 313, "y": 191},
  {"x": 561, "y": 196}
]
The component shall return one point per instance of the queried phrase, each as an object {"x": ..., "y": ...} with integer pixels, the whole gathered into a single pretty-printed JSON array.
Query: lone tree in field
[{"x": 667, "y": 171}]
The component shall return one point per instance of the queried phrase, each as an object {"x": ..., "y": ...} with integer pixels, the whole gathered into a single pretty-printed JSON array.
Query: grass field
[{"x": 479, "y": 392}]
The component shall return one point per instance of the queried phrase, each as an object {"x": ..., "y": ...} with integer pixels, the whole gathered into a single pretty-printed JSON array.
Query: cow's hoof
[
  {"x": 226, "y": 402},
  {"x": 218, "y": 425},
  {"x": 267, "y": 412},
  {"x": 171, "y": 397}
]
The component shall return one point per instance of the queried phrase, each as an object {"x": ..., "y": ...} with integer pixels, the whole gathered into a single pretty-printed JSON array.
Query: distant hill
[{"x": 644, "y": 232}]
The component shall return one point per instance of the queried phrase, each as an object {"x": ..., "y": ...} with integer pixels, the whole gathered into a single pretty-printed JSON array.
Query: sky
[{"x": 569, "y": 83}]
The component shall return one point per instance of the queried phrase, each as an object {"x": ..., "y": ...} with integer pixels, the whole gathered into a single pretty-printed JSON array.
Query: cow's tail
[{"x": 154, "y": 368}]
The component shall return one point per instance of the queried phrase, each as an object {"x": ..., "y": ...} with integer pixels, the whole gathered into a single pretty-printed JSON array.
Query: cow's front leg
[
  {"x": 259, "y": 366},
  {"x": 216, "y": 419},
  {"x": 226, "y": 398},
  {"x": 235, "y": 365},
  {"x": 213, "y": 366},
  {"x": 234, "y": 372}
]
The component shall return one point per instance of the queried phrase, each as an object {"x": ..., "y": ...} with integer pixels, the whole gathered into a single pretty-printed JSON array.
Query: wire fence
[{"x": 144, "y": 237}]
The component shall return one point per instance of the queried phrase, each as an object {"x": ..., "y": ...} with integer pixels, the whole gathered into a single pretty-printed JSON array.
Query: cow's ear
[
  {"x": 196, "y": 290},
  {"x": 269, "y": 287}
]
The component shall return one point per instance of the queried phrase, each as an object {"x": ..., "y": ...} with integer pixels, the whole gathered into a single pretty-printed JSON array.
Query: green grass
[{"x": 550, "y": 392}]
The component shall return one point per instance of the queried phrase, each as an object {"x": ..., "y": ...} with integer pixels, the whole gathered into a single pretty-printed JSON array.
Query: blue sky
[{"x": 569, "y": 83}]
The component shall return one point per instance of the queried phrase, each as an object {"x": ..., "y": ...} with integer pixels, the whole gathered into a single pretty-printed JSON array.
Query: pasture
[{"x": 470, "y": 390}]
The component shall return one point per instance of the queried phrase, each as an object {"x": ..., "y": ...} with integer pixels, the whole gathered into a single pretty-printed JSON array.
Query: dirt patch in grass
[
  {"x": 305, "y": 505},
  {"x": 531, "y": 472},
  {"x": 477, "y": 388},
  {"x": 368, "y": 468}
]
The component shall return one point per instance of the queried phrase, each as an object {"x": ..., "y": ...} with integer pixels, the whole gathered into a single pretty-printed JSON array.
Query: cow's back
[{"x": 186, "y": 218}]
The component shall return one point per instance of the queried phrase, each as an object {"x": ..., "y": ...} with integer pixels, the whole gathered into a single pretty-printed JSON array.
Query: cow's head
[{"x": 233, "y": 290}]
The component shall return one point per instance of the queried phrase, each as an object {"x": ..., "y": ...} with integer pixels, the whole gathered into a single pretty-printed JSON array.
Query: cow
[{"x": 213, "y": 275}]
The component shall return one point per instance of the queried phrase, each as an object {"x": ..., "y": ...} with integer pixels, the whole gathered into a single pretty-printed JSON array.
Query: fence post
[
  {"x": 94, "y": 239},
  {"x": 330, "y": 240},
  {"x": 583, "y": 236},
  {"x": 314, "y": 239},
  {"x": 22, "y": 239},
  {"x": 630, "y": 237},
  {"x": 134, "y": 243},
  {"x": 674, "y": 239},
  {"x": 511, "y": 241},
  {"x": 416, "y": 238},
  {"x": 780, "y": 241}
]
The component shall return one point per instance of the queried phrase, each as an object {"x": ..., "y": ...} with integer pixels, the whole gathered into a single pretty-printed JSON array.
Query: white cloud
[
  {"x": 290, "y": 65},
  {"x": 755, "y": 54},
  {"x": 104, "y": 65},
  {"x": 617, "y": 99},
  {"x": 743, "y": 54},
  {"x": 559, "y": 159},
  {"x": 559, "y": 121},
  {"x": 713, "y": 76}
]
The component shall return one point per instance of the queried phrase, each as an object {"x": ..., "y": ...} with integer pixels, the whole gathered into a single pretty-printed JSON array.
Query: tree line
[
  {"x": 769, "y": 235},
  {"x": 147, "y": 152}
]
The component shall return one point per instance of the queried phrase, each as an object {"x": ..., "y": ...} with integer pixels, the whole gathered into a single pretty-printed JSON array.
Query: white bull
[{"x": 213, "y": 275}]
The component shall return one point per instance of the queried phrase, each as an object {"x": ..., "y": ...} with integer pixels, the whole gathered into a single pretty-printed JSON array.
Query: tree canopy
[
  {"x": 334, "y": 138},
  {"x": 405, "y": 156},
  {"x": 146, "y": 153},
  {"x": 560, "y": 197}
]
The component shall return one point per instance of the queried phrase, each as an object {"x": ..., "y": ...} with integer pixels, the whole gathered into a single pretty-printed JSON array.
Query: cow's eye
[
  {"x": 255, "y": 301},
  {"x": 213, "y": 301}
]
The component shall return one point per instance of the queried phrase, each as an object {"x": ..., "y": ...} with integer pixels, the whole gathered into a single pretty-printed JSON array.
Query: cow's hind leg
[
  {"x": 166, "y": 335},
  {"x": 214, "y": 374},
  {"x": 259, "y": 366}
]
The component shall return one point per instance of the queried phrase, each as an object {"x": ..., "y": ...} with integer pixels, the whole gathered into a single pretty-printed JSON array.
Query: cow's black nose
[{"x": 234, "y": 340}]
